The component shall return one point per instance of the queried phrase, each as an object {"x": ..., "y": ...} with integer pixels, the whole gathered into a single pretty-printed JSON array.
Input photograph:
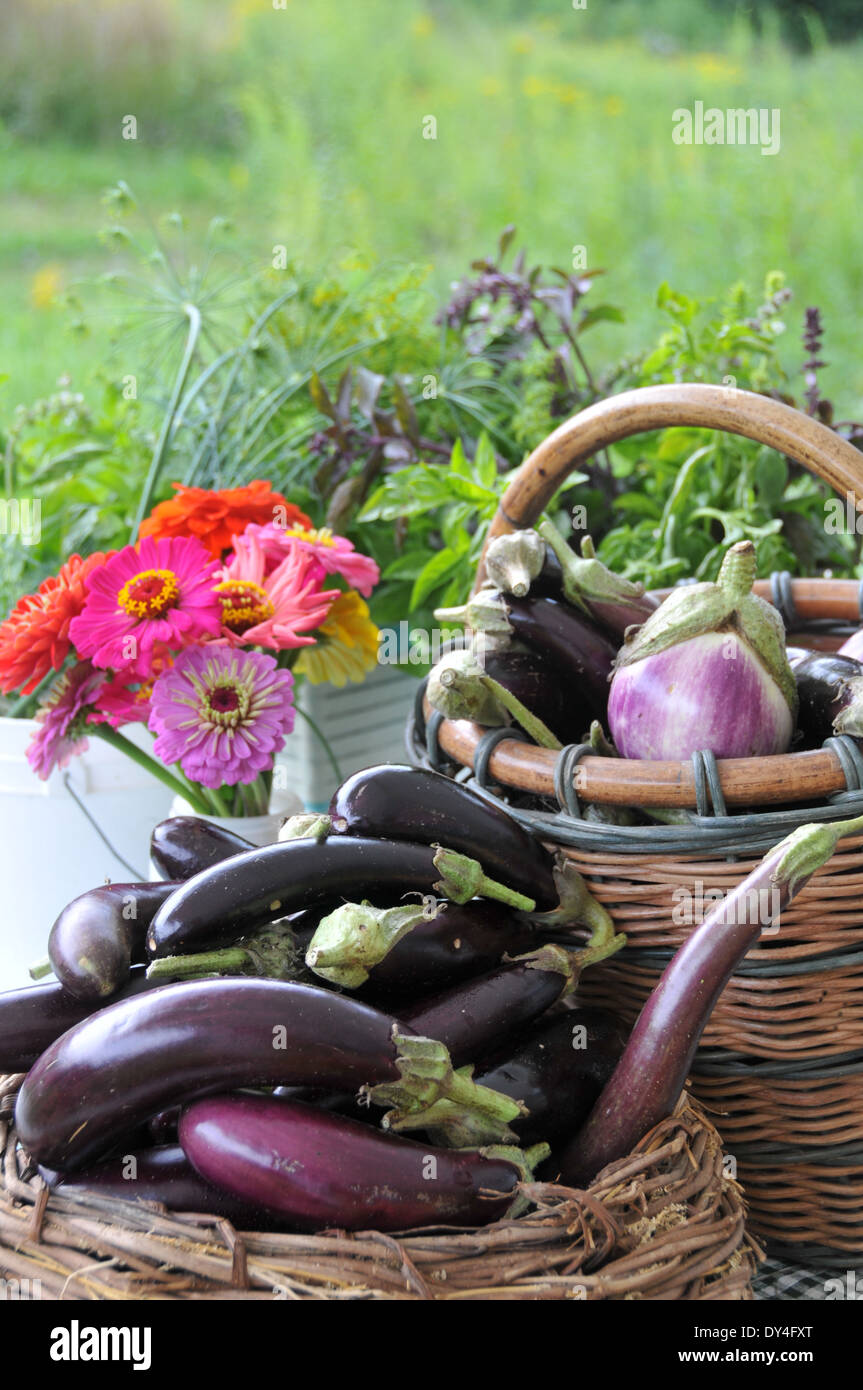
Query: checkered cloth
[{"x": 776, "y": 1281}]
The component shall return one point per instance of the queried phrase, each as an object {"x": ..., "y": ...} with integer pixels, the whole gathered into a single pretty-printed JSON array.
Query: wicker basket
[
  {"x": 782, "y": 1058},
  {"x": 665, "y": 1223}
]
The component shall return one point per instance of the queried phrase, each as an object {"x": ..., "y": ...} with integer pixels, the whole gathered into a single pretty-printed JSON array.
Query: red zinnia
[
  {"x": 35, "y": 637},
  {"x": 215, "y": 518}
]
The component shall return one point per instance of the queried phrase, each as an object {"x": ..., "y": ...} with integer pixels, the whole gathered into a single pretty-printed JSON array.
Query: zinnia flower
[
  {"x": 272, "y": 610},
  {"x": 157, "y": 591},
  {"x": 222, "y": 714},
  {"x": 335, "y": 553},
  {"x": 347, "y": 646},
  {"x": 123, "y": 699},
  {"x": 35, "y": 637},
  {"x": 62, "y": 719},
  {"x": 215, "y": 518}
]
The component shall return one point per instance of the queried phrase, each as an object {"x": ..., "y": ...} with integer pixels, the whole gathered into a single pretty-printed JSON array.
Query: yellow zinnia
[{"x": 347, "y": 645}]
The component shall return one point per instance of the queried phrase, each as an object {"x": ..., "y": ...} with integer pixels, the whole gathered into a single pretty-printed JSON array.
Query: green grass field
[{"x": 548, "y": 124}]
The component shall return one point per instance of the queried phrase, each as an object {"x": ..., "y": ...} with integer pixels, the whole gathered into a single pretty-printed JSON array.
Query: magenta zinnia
[
  {"x": 157, "y": 591},
  {"x": 62, "y": 719},
  {"x": 221, "y": 713}
]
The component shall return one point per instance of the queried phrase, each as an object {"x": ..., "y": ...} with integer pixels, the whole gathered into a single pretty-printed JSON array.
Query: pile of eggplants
[
  {"x": 292, "y": 1103},
  {"x": 189, "y": 1053}
]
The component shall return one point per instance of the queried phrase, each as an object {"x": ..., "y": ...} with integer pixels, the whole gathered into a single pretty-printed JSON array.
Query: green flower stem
[
  {"x": 158, "y": 770},
  {"x": 194, "y": 316}
]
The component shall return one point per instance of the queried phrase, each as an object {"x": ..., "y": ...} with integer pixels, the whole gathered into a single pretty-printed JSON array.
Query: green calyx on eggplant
[
  {"x": 707, "y": 671},
  {"x": 556, "y": 1071},
  {"x": 272, "y": 952},
  {"x": 461, "y": 688},
  {"x": 615, "y": 603}
]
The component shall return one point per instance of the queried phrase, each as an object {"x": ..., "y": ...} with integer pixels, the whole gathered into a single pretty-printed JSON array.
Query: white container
[
  {"x": 364, "y": 724},
  {"x": 49, "y": 850}
]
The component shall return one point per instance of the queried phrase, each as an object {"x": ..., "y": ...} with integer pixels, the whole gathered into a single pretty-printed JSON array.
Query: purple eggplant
[
  {"x": 233, "y": 898},
  {"x": 319, "y": 1171},
  {"x": 474, "y": 1017},
  {"x": 538, "y": 685},
  {"x": 164, "y": 1175},
  {"x": 109, "y": 1074},
  {"x": 647, "y": 1081},
  {"x": 184, "y": 845},
  {"x": 409, "y": 803},
  {"x": 464, "y": 940},
  {"x": 707, "y": 671},
  {"x": 34, "y": 1017},
  {"x": 557, "y": 1070},
  {"x": 100, "y": 935},
  {"x": 830, "y": 689}
]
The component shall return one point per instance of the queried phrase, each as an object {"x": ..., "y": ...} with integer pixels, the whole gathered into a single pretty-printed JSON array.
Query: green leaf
[
  {"x": 432, "y": 574},
  {"x": 485, "y": 462}
]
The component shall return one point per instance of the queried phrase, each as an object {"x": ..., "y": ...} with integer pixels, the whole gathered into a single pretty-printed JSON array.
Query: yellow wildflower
[
  {"x": 45, "y": 286},
  {"x": 347, "y": 645},
  {"x": 613, "y": 106}
]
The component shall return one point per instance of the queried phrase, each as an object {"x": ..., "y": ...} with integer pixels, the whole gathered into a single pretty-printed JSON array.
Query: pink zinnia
[
  {"x": 335, "y": 553},
  {"x": 157, "y": 591},
  {"x": 62, "y": 719},
  {"x": 272, "y": 609},
  {"x": 222, "y": 714}
]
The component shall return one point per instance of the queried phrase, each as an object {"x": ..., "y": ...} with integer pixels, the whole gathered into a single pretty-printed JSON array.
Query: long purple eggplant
[
  {"x": 230, "y": 899},
  {"x": 112, "y": 1072},
  {"x": 648, "y": 1079},
  {"x": 185, "y": 845},
  {"x": 101, "y": 934},
  {"x": 162, "y": 1174},
  {"x": 318, "y": 1170},
  {"x": 830, "y": 688},
  {"x": 35, "y": 1016},
  {"x": 399, "y": 802},
  {"x": 474, "y": 1017}
]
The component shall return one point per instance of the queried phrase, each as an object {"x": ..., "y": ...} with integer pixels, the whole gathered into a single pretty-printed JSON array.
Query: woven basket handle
[{"x": 794, "y": 434}]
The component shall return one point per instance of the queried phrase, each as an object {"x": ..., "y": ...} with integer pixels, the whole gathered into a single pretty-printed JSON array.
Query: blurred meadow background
[
  {"x": 364, "y": 156},
  {"x": 304, "y": 125}
]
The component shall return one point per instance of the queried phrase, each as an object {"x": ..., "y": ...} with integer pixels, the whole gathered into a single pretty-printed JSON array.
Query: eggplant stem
[
  {"x": 40, "y": 968},
  {"x": 427, "y": 1078},
  {"x": 463, "y": 878},
  {"x": 232, "y": 960},
  {"x": 354, "y": 938},
  {"x": 539, "y": 732}
]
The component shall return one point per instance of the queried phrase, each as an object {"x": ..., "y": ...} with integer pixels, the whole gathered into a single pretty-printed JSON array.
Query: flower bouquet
[{"x": 198, "y": 630}]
